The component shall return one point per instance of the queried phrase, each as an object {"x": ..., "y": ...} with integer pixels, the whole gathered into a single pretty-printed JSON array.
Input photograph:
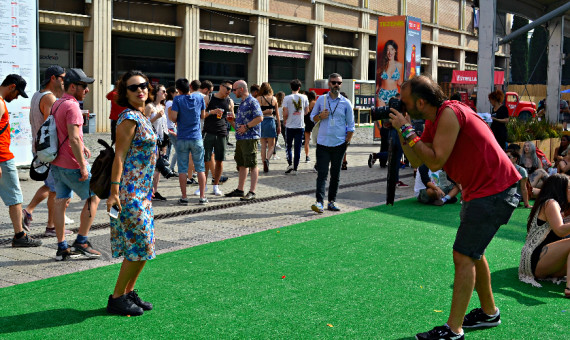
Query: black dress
[{"x": 500, "y": 129}]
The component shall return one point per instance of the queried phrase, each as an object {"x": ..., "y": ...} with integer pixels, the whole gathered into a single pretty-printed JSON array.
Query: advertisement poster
[
  {"x": 398, "y": 57},
  {"x": 18, "y": 55}
]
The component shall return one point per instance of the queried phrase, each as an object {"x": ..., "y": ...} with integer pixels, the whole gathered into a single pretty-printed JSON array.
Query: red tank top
[
  {"x": 5, "y": 154},
  {"x": 477, "y": 161}
]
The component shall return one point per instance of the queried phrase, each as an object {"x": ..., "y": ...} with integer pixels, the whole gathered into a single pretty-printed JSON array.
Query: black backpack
[{"x": 100, "y": 182}]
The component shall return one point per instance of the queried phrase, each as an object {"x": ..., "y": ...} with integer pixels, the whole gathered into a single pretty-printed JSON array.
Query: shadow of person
[
  {"x": 47, "y": 319},
  {"x": 506, "y": 282}
]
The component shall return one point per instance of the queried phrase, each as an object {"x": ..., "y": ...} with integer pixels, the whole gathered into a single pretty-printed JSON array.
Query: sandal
[{"x": 567, "y": 292}]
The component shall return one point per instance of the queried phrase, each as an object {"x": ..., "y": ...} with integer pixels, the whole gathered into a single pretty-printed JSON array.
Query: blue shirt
[
  {"x": 189, "y": 108},
  {"x": 333, "y": 129},
  {"x": 248, "y": 110}
]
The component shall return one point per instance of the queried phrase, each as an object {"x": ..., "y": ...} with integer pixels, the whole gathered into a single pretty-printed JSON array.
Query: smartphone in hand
[{"x": 114, "y": 212}]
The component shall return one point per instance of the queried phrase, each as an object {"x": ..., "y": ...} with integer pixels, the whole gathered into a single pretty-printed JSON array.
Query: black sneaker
[
  {"x": 191, "y": 180},
  {"x": 25, "y": 241},
  {"x": 158, "y": 197},
  {"x": 123, "y": 305},
  {"x": 85, "y": 249},
  {"x": 478, "y": 318},
  {"x": 137, "y": 300},
  {"x": 440, "y": 333},
  {"x": 235, "y": 193},
  {"x": 66, "y": 254},
  {"x": 250, "y": 196},
  {"x": 222, "y": 179},
  {"x": 371, "y": 160}
]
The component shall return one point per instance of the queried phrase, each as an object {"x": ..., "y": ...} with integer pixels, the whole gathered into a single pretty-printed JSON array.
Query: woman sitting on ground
[
  {"x": 546, "y": 250},
  {"x": 561, "y": 151},
  {"x": 530, "y": 161}
]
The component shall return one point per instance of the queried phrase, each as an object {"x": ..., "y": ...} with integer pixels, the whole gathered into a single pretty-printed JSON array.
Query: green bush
[{"x": 522, "y": 131}]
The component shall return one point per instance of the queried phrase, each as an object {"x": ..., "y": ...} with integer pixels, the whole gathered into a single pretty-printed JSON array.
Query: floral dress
[{"x": 132, "y": 233}]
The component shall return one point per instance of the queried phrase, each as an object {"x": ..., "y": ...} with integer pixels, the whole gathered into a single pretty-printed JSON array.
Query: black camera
[{"x": 383, "y": 112}]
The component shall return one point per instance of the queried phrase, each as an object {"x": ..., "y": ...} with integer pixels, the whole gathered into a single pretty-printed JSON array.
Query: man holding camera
[
  {"x": 489, "y": 197},
  {"x": 335, "y": 132}
]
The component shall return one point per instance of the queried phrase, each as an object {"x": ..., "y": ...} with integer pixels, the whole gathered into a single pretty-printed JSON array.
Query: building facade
[{"x": 256, "y": 40}]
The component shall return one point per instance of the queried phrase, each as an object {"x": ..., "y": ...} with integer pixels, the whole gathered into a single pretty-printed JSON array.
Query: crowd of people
[{"x": 150, "y": 122}]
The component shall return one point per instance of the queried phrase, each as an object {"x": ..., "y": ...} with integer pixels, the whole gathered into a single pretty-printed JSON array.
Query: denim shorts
[
  {"x": 50, "y": 181},
  {"x": 10, "y": 191},
  {"x": 67, "y": 182},
  {"x": 481, "y": 219},
  {"x": 183, "y": 149}
]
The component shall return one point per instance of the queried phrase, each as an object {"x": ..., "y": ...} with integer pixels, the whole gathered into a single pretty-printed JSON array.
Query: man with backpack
[
  {"x": 10, "y": 191},
  {"x": 70, "y": 168}
]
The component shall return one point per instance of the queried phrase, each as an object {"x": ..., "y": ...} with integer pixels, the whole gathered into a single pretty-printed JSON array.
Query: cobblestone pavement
[{"x": 282, "y": 200}]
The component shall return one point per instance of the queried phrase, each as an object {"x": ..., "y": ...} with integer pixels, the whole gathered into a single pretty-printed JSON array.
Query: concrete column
[
  {"x": 432, "y": 52},
  {"x": 257, "y": 60},
  {"x": 97, "y": 60},
  {"x": 315, "y": 65},
  {"x": 486, "y": 55},
  {"x": 460, "y": 54},
  {"x": 554, "y": 70},
  {"x": 188, "y": 45},
  {"x": 403, "y": 7},
  {"x": 361, "y": 61}
]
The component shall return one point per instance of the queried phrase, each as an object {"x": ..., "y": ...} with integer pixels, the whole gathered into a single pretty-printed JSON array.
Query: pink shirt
[
  {"x": 66, "y": 111},
  {"x": 477, "y": 161}
]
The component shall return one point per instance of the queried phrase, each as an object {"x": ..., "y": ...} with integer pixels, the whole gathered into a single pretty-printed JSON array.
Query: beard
[{"x": 335, "y": 90}]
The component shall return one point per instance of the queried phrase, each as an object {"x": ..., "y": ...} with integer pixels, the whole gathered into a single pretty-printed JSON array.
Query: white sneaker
[
  {"x": 197, "y": 192},
  {"x": 217, "y": 191},
  {"x": 68, "y": 220},
  {"x": 275, "y": 157}
]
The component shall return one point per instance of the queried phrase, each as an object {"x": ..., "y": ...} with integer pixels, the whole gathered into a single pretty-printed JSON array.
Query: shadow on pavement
[{"x": 47, "y": 319}]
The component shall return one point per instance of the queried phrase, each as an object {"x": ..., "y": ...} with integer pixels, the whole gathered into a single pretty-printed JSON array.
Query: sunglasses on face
[
  {"x": 336, "y": 82},
  {"x": 234, "y": 90},
  {"x": 134, "y": 87},
  {"x": 227, "y": 87},
  {"x": 85, "y": 86}
]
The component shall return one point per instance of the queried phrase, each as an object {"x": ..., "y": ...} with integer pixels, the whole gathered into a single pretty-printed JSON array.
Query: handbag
[{"x": 315, "y": 133}]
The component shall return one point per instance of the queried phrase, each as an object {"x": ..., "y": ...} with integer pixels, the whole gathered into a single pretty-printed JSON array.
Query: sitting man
[
  {"x": 434, "y": 187},
  {"x": 523, "y": 184}
]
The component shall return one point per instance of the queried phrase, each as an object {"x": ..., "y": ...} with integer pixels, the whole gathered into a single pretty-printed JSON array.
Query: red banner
[{"x": 470, "y": 77}]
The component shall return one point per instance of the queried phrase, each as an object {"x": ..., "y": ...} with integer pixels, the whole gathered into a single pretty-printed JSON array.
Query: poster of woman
[{"x": 390, "y": 51}]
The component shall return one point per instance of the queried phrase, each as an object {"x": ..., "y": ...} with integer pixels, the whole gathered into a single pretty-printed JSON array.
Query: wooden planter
[{"x": 546, "y": 145}]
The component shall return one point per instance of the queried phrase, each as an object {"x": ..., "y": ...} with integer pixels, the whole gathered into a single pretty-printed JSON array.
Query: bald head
[{"x": 240, "y": 89}]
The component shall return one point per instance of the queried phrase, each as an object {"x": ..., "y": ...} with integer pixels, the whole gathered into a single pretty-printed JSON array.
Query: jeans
[
  {"x": 326, "y": 155},
  {"x": 173, "y": 140},
  {"x": 297, "y": 136}
]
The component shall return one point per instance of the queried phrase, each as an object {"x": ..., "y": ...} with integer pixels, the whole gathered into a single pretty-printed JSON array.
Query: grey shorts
[
  {"x": 10, "y": 191},
  {"x": 480, "y": 220},
  {"x": 216, "y": 144}
]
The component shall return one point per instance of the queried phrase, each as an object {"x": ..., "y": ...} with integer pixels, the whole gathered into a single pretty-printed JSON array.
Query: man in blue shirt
[
  {"x": 187, "y": 110},
  {"x": 248, "y": 131},
  {"x": 334, "y": 112}
]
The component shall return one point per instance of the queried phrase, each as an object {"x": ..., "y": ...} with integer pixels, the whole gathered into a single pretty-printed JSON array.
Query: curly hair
[
  {"x": 497, "y": 96},
  {"x": 122, "y": 99}
]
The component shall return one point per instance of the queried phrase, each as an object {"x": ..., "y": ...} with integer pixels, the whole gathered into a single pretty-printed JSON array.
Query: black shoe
[
  {"x": 344, "y": 167},
  {"x": 223, "y": 179},
  {"x": 123, "y": 305},
  {"x": 250, "y": 196},
  {"x": 235, "y": 193},
  {"x": 452, "y": 200},
  {"x": 158, "y": 197},
  {"x": 371, "y": 160},
  {"x": 25, "y": 241},
  {"x": 266, "y": 165},
  {"x": 440, "y": 333},
  {"x": 66, "y": 254},
  {"x": 191, "y": 180},
  {"x": 478, "y": 318},
  {"x": 137, "y": 300},
  {"x": 229, "y": 144}
]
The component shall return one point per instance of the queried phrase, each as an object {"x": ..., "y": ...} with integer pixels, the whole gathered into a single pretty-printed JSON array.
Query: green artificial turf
[{"x": 383, "y": 273}]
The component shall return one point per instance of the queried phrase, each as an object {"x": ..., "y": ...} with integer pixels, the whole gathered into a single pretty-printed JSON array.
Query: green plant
[{"x": 522, "y": 131}]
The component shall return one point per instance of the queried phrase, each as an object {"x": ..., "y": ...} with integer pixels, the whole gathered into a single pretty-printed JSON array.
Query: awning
[
  {"x": 289, "y": 54},
  {"x": 225, "y": 47},
  {"x": 470, "y": 77}
]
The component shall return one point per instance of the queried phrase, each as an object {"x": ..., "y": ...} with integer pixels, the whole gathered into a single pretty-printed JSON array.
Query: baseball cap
[
  {"x": 76, "y": 75},
  {"x": 53, "y": 70},
  {"x": 17, "y": 80}
]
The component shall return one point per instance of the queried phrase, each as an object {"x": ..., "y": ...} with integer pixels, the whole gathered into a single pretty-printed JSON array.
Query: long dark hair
[
  {"x": 555, "y": 187},
  {"x": 122, "y": 87},
  {"x": 384, "y": 59},
  {"x": 154, "y": 93}
]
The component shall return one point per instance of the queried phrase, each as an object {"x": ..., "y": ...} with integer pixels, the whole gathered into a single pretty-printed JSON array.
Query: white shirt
[{"x": 295, "y": 118}]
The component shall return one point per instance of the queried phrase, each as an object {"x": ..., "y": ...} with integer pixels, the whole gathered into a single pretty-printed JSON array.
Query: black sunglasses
[
  {"x": 227, "y": 87},
  {"x": 134, "y": 87},
  {"x": 336, "y": 82},
  {"x": 234, "y": 90},
  {"x": 82, "y": 85}
]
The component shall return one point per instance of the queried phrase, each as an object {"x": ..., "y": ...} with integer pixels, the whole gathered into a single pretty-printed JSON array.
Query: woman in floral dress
[{"x": 132, "y": 233}]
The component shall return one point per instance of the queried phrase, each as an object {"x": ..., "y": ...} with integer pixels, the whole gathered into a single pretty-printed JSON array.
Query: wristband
[
  {"x": 404, "y": 127},
  {"x": 408, "y": 132},
  {"x": 118, "y": 183},
  {"x": 414, "y": 141}
]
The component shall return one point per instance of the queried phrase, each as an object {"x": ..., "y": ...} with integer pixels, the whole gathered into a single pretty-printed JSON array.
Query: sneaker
[
  {"x": 158, "y": 197},
  {"x": 25, "y": 241},
  {"x": 191, "y": 180},
  {"x": 275, "y": 157},
  {"x": 440, "y": 333},
  {"x": 344, "y": 166},
  {"x": 66, "y": 254},
  {"x": 123, "y": 305},
  {"x": 371, "y": 160},
  {"x": 68, "y": 220},
  {"x": 217, "y": 191},
  {"x": 26, "y": 220},
  {"x": 478, "y": 318},
  {"x": 307, "y": 159},
  {"x": 203, "y": 201},
  {"x": 266, "y": 166},
  {"x": 289, "y": 169},
  {"x": 278, "y": 147},
  {"x": 235, "y": 193},
  {"x": 250, "y": 196},
  {"x": 223, "y": 179},
  {"x": 183, "y": 201},
  {"x": 85, "y": 249},
  {"x": 50, "y": 232},
  {"x": 332, "y": 206},
  {"x": 318, "y": 207},
  {"x": 291, "y": 172},
  {"x": 197, "y": 192},
  {"x": 438, "y": 202},
  {"x": 452, "y": 200},
  {"x": 137, "y": 300},
  {"x": 401, "y": 184}
]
